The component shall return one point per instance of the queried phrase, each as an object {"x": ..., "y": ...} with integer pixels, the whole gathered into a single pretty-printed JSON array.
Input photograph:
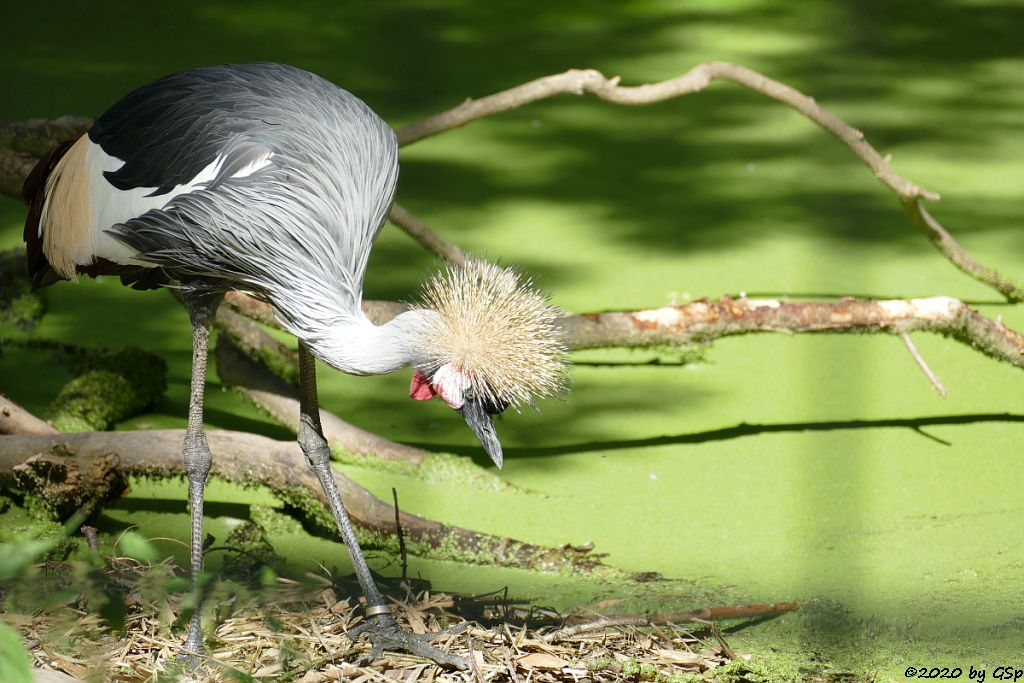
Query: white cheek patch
[{"x": 451, "y": 384}]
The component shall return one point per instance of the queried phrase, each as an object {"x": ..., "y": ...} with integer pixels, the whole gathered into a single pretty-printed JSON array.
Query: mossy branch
[{"x": 253, "y": 460}]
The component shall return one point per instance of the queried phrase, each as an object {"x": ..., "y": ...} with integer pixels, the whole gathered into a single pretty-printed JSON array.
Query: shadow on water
[{"x": 741, "y": 430}]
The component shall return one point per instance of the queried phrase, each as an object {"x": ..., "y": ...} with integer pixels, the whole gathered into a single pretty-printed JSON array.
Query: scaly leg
[
  {"x": 384, "y": 632},
  {"x": 197, "y": 458}
]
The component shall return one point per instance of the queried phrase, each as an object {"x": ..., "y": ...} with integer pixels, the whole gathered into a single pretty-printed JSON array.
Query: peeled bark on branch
[
  {"x": 253, "y": 460},
  {"x": 703, "y": 321}
]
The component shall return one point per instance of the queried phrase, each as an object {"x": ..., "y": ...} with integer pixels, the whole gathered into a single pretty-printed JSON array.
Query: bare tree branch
[
  {"x": 249, "y": 459},
  {"x": 20, "y": 141},
  {"x": 36, "y": 136},
  {"x": 419, "y": 231},
  {"x": 589, "y": 81},
  {"x": 14, "y": 168},
  {"x": 16, "y": 420},
  {"x": 704, "y": 321}
]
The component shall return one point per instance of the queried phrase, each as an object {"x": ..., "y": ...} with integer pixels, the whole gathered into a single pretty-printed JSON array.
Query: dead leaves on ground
[{"x": 296, "y": 632}]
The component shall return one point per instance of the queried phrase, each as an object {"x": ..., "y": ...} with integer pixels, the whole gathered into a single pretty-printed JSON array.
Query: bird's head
[{"x": 493, "y": 343}]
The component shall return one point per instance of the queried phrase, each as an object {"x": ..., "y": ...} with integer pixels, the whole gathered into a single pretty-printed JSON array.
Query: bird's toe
[{"x": 386, "y": 634}]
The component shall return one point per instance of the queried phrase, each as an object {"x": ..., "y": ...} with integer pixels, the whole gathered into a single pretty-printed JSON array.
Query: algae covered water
[{"x": 818, "y": 469}]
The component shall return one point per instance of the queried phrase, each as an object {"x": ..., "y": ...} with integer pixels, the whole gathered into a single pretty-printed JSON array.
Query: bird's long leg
[
  {"x": 197, "y": 457},
  {"x": 381, "y": 626}
]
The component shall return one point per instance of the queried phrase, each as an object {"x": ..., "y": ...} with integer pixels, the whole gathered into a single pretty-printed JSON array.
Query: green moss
[
  {"x": 274, "y": 521},
  {"x": 110, "y": 386},
  {"x": 438, "y": 468},
  {"x": 281, "y": 365},
  {"x": 19, "y": 305},
  {"x": 633, "y": 670}
]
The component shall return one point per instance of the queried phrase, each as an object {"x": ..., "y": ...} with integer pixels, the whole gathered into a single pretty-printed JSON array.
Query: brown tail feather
[{"x": 33, "y": 192}]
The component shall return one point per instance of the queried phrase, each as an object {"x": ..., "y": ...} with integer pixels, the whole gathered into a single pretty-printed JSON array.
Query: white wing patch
[
  {"x": 112, "y": 206},
  {"x": 256, "y": 164}
]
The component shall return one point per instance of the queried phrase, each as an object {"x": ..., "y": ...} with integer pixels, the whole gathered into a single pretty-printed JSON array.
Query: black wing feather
[{"x": 167, "y": 131}]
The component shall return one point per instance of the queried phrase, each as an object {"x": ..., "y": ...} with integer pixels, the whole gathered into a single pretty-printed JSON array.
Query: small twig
[
  {"x": 713, "y": 627},
  {"x": 419, "y": 231},
  {"x": 472, "y": 658},
  {"x": 91, "y": 538},
  {"x": 921, "y": 363},
  {"x": 400, "y": 535}
]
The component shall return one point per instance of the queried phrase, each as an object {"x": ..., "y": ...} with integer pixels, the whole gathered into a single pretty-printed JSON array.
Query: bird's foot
[
  {"x": 191, "y": 654},
  {"x": 386, "y": 634}
]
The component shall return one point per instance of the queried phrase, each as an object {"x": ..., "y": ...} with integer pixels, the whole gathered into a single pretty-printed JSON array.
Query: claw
[{"x": 385, "y": 634}]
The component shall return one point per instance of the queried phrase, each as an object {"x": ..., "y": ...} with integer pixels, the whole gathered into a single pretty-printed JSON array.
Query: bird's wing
[
  {"x": 262, "y": 176},
  {"x": 168, "y": 132}
]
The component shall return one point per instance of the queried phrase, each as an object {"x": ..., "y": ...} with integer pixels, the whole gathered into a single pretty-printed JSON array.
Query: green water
[{"x": 893, "y": 515}]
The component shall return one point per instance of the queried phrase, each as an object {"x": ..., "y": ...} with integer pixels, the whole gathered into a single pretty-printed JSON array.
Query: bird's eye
[{"x": 469, "y": 394}]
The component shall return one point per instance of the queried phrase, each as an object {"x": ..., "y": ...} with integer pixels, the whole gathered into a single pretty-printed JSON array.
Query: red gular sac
[{"x": 420, "y": 389}]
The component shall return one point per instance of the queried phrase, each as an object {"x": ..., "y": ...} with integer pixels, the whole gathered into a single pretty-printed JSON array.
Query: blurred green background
[{"x": 892, "y": 515}]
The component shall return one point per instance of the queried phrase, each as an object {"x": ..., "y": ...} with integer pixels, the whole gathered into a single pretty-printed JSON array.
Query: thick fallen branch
[
  {"x": 253, "y": 460},
  {"x": 589, "y": 81},
  {"x": 23, "y": 142}
]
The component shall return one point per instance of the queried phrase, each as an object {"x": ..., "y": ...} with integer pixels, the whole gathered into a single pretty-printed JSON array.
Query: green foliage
[
  {"x": 15, "y": 665},
  {"x": 25, "y": 544},
  {"x": 20, "y": 550},
  {"x": 135, "y": 546}
]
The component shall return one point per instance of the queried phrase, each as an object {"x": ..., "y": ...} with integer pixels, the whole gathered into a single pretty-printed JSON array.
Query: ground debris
[{"x": 296, "y": 631}]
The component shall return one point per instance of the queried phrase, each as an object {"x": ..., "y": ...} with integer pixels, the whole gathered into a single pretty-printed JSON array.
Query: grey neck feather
[{"x": 358, "y": 347}]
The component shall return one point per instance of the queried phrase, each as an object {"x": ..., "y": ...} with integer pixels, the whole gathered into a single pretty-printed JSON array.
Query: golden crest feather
[{"x": 493, "y": 325}]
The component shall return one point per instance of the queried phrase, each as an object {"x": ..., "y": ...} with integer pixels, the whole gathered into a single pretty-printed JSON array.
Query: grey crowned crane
[{"x": 271, "y": 180}]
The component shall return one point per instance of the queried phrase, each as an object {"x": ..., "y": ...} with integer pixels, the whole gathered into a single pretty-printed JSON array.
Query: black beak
[{"x": 479, "y": 421}]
